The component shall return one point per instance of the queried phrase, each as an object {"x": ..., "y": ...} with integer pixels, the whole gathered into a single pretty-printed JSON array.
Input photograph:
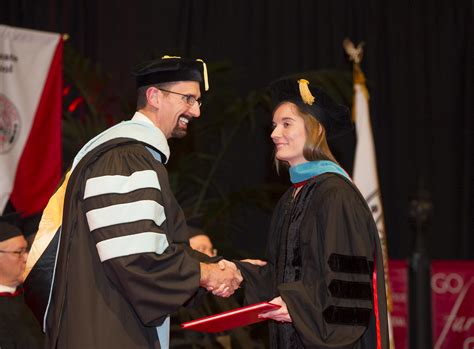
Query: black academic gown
[
  {"x": 18, "y": 328},
  {"x": 119, "y": 302},
  {"x": 321, "y": 251}
]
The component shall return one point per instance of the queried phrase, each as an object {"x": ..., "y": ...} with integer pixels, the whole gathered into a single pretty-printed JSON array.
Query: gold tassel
[
  {"x": 204, "y": 71},
  {"x": 204, "y": 68},
  {"x": 305, "y": 93},
  {"x": 169, "y": 57}
]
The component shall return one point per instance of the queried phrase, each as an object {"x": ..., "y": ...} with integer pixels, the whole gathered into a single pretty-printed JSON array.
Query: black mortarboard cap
[
  {"x": 8, "y": 229},
  {"x": 195, "y": 224},
  {"x": 194, "y": 231},
  {"x": 171, "y": 69},
  {"x": 333, "y": 116}
]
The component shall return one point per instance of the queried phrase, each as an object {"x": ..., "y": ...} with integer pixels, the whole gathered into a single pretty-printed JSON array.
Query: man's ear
[{"x": 152, "y": 96}]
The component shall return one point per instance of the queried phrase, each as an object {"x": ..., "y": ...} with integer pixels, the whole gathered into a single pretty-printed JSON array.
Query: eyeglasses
[
  {"x": 19, "y": 253},
  {"x": 189, "y": 99}
]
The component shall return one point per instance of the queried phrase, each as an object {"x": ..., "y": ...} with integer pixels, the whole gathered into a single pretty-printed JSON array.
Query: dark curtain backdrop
[{"x": 418, "y": 62}]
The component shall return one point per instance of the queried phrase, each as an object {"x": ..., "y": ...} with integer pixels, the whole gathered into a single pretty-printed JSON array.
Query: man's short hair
[{"x": 141, "y": 92}]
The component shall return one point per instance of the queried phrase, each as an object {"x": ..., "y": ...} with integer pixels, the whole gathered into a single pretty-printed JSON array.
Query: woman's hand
[
  {"x": 281, "y": 314},
  {"x": 258, "y": 262}
]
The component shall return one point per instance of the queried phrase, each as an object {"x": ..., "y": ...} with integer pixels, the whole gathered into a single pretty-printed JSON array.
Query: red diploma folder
[{"x": 230, "y": 319}]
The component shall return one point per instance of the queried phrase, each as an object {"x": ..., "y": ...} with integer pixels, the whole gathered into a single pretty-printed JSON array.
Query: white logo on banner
[
  {"x": 450, "y": 283},
  {"x": 25, "y": 60},
  {"x": 469, "y": 343},
  {"x": 442, "y": 283},
  {"x": 9, "y": 124}
]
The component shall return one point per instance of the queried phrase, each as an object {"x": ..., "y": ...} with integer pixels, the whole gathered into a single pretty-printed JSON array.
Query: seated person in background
[
  {"x": 18, "y": 328},
  {"x": 238, "y": 338},
  {"x": 199, "y": 241}
]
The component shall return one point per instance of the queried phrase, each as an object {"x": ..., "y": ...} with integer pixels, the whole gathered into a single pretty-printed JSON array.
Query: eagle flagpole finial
[{"x": 355, "y": 53}]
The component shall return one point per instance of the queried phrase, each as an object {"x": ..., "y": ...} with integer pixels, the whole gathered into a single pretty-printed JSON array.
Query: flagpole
[{"x": 355, "y": 55}]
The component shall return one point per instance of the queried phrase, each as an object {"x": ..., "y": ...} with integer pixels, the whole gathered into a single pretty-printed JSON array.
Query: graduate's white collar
[
  {"x": 140, "y": 128},
  {"x": 161, "y": 142},
  {"x": 7, "y": 289},
  {"x": 142, "y": 117}
]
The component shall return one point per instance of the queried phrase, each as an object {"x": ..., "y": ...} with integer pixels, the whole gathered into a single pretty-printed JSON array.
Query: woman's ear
[{"x": 320, "y": 129}]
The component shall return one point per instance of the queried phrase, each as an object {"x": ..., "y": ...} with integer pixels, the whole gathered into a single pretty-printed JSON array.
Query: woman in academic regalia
[{"x": 325, "y": 266}]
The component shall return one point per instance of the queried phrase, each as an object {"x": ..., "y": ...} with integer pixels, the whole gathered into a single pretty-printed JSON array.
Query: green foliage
[
  {"x": 86, "y": 82},
  {"x": 194, "y": 176}
]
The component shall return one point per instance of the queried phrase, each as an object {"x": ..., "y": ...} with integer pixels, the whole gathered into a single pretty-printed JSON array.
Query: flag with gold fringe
[{"x": 365, "y": 164}]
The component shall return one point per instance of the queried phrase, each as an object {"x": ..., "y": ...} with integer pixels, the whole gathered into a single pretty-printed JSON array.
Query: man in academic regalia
[
  {"x": 124, "y": 262},
  {"x": 18, "y": 328}
]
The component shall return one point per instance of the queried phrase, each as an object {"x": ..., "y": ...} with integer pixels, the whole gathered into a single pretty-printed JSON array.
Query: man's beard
[{"x": 178, "y": 132}]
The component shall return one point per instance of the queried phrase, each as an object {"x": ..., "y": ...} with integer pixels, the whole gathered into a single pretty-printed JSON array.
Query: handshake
[{"x": 221, "y": 278}]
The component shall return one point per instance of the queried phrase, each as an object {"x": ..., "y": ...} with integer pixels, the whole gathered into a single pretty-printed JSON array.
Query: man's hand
[
  {"x": 222, "y": 279},
  {"x": 280, "y": 314},
  {"x": 224, "y": 263}
]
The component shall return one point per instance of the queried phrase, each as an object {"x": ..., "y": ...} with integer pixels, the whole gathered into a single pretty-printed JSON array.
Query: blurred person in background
[{"x": 18, "y": 328}]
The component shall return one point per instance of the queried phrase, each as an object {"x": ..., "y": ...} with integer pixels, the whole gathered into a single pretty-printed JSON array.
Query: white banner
[{"x": 25, "y": 59}]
